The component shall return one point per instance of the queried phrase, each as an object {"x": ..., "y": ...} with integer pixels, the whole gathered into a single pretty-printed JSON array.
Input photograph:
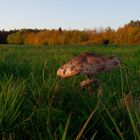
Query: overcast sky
[{"x": 68, "y": 14}]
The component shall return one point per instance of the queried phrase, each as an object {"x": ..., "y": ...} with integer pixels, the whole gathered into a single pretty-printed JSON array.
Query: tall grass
[{"x": 36, "y": 104}]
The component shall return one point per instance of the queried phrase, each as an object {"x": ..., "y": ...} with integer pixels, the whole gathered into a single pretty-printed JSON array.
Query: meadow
[{"x": 37, "y": 104}]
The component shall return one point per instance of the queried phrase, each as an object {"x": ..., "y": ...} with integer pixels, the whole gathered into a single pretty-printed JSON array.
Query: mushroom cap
[
  {"x": 87, "y": 82},
  {"x": 87, "y": 63}
]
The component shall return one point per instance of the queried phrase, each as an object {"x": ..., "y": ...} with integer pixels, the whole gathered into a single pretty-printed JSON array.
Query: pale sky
[{"x": 68, "y": 14}]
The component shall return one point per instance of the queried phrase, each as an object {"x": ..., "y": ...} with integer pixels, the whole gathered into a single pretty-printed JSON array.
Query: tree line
[{"x": 128, "y": 34}]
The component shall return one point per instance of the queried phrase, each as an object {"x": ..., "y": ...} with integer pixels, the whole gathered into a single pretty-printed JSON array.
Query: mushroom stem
[
  {"x": 90, "y": 90},
  {"x": 88, "y": 84}
]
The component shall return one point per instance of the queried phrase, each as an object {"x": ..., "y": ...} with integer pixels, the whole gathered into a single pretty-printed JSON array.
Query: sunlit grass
[{"x": 36, "y": 104}]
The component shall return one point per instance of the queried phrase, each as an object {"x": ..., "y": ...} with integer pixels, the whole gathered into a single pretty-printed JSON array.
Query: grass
[{"x": 36, "y": 104}]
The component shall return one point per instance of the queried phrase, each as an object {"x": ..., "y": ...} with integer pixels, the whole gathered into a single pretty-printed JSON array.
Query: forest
[{"x": 129, "y": 34}]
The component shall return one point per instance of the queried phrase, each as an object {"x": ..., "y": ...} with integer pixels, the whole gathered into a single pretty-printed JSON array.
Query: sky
[{"x": 67, "y": 14}]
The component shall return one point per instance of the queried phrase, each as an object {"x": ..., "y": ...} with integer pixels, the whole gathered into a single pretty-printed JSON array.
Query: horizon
[
  {"x": 68, "y": 29},
  {"x": 69, "y": 15}
]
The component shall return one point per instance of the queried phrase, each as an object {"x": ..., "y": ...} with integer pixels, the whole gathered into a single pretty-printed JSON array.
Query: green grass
[{"x": 36, "y": 104}]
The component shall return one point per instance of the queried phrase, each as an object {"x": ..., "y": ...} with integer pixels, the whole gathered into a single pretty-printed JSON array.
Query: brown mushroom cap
[
  {"x": 87, "y": 63},
  {"x": 87, "y": 82}
]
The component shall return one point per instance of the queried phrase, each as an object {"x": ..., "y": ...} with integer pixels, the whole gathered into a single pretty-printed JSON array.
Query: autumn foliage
[{"x": 129, "y": 34}]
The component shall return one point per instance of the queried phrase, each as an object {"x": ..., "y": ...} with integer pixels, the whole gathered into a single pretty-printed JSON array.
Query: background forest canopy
[{"x": 128, "y": 34}]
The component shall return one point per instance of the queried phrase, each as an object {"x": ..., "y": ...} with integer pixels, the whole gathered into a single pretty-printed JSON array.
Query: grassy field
[{"x": 36, "y": 104}]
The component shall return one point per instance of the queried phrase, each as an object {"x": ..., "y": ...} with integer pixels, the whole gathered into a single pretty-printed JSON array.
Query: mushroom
[
  {"x": 88, "y": 64},
  {"x": 87, "y": 85}
]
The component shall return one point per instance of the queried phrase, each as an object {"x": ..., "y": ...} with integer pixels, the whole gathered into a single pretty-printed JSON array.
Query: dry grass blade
[
  {"x": 86, "y": 123},
  {"x": 114, "y": 123}
]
